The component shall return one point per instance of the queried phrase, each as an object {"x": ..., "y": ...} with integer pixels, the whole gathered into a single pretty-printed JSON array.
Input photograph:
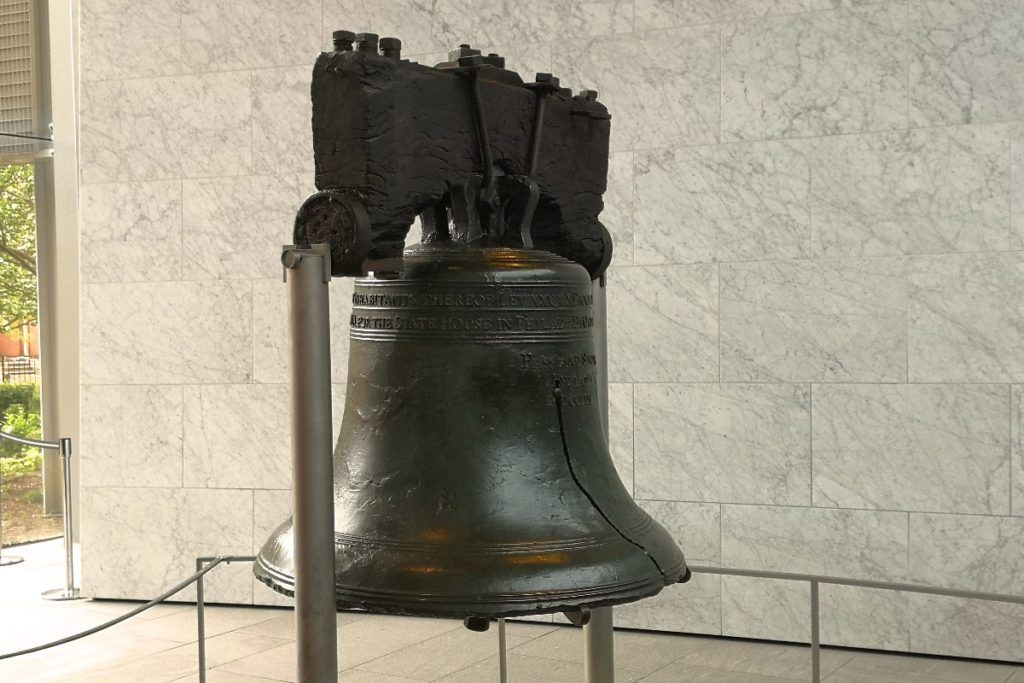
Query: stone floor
[{"x": 257, "y": 645}]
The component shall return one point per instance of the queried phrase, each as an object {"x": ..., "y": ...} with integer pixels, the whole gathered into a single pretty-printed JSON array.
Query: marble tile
[
  {"x": 130, "y": 232},
  {"x": 848, "y": 543},
  {"x": 1017, "y": 450},
  {"x": 130, "y": 436},
  {"x": 620, "y": 427},
  {"x": 520, "y": 21},
  {"x": 270, "y": 325},
  {"x": 696, "y": 527},
  {"x": 966, "y": 628},
  {"x": 761, "y": 659},
  {"x": 237, "y": 436},
  {"x": 965, "y": 58},
  {"x": 129, "y": 39},
  {"x": 939, "y": 448},
  {"x": 662, "y": 13},
  {"x": 661, "y": 86},
  {"x": 808, "y": 321},
  {"x": 234, "y": 227},
  {"x": 781, "y": 610},
  {"x": 436, "y": 26},
  {"x": 726, "y": 203},
  {"x": 523, "y": 669},
  {"x": 216, "y": 36},
  {"x": 917, "y": 192},
  {"x": 282, "y": 126},
  {"x": 166, "y": 333},
  {"x": 642, "y": 653},
  {"x": 965, "y": 318},
  {"x": 692, "y": 607},
  {"x": 663, "y": 324},
  {"x": 86, "y": 655},
  {"x": 875, "y": 667},
  {"x": 819, "y": 73},
  {"x": 138, "y": 542},
  {"x": 1017, "y": 184},
  {"x": 618, "y": 214},
  {"x": 736, "y": 443},
  {"x": 967, "y": 551},
  {"x": 159, "y": 128},
  {"x": 440, "y": 656},
  {"x": 681, "y": 671}
]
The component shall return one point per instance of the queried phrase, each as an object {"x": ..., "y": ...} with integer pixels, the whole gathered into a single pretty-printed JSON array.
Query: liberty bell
[{"x": 472, "y": 475}]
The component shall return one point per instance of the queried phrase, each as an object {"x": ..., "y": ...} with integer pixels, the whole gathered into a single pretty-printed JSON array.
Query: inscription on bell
[{"x": 568, "y": 299}]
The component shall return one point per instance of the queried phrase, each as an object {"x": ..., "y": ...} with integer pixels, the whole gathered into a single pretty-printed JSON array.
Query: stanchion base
[
  {"x": 59, "y": 594},
  {"x": 10, "y": 559}
]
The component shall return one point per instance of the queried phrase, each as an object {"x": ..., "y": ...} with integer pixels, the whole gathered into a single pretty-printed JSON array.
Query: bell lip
[{"x": 458, "y": 607}]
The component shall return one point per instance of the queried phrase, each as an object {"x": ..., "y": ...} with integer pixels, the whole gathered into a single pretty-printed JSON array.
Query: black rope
[
  {"x": 128, "y": 615},
  {"x": 25, "y": 137}
]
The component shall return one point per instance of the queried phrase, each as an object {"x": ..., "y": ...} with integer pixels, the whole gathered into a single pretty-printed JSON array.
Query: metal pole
[
  {"x": 502, "y": 652},
  {"x": 815, "y": 639},
  {"x": 69, "y": 592},
  {"x": 308, "y": 272},
  {"x": 201, "y": 621},
  {"x": 599, "y": 633}
]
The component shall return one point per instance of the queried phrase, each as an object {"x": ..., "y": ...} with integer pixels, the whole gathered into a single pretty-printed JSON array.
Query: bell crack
[{"x": 583, "y": 489}]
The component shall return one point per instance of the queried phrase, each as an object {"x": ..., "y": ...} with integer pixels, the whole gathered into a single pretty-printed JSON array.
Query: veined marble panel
[
  {"x": 696, "y": 527},
  {"x": 270, "y": 330},
  {"x": 851, "y": 543},
  {"x": 140, "y": 541},
  {"x": 270, "y": 509},
  {"x": 965, "y": 318},
  {"x": 923, "y": 447},
  {"x": 220, "y": 36},
  {"x": 620, "y": 431},
  {"x": 424, "y": 27},
  {"x": 661, "y": 86},
  {"x": 691, "y": 607},
  {"x": 618, "y": 214},
  {"x": 166, "y": 333},
  {"x": 819, "y": 73},
  {"x": 157, "y": 128},
  {"x": 237, "y": 436},
  {"x": 130, "y": 232},
  {"x": 129, "y": 38},
  {"x": 724, "y": 203},
  {"x": 916, "y": 192},
  {"x": 1017, "y": 450},
  {"x": 965, "y": 61},
  {"x": 810, "y": 321},
  {"x": 966, "y": 628},
  {"x": 663, "y": 324},
  {"x": 780, "y": 610},
  {"x": 972, "y": 552},
  {"x": 523, "y": 21},
  {"x": 131, "y": 436},
  {"x": 282, "y": 127},
  {"x": 735, "y": 443},
  {"x": 234, "y": 228},
  {"x": 1017, "y": 184},
  {"x": 664, "y": 13}
]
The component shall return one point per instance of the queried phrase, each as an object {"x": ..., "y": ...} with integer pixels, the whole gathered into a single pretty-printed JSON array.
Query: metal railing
[
  {"x": 63, "y": 445},
  {"x": 815, "y": 580},
  {"x": 19, "y": 369}
]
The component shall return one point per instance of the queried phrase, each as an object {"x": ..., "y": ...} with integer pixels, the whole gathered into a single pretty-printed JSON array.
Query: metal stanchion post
[
  {"x": 599, "y": 634},
  {"x": 69, "y": 592},
  {"x": 201, "y": 621},
  {"x": 502, "y": 652},
  {"x": 308, "y": 272}
]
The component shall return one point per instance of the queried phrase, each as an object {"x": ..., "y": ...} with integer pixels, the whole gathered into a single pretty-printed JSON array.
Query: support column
[{"x": 308, "y": 272}]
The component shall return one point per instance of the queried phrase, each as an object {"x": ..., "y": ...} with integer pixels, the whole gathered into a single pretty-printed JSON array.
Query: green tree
[{"x": 17, "y": 247}]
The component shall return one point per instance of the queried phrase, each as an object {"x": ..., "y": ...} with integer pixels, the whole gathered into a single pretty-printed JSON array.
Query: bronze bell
[{"x": 472, "y": 477}]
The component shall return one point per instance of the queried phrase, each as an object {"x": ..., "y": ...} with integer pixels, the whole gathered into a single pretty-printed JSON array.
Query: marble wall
[{"x": 815, "y": 305}]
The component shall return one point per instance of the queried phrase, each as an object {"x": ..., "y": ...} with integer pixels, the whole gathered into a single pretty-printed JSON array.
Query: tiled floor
[{"x": 257, "y": 645}]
